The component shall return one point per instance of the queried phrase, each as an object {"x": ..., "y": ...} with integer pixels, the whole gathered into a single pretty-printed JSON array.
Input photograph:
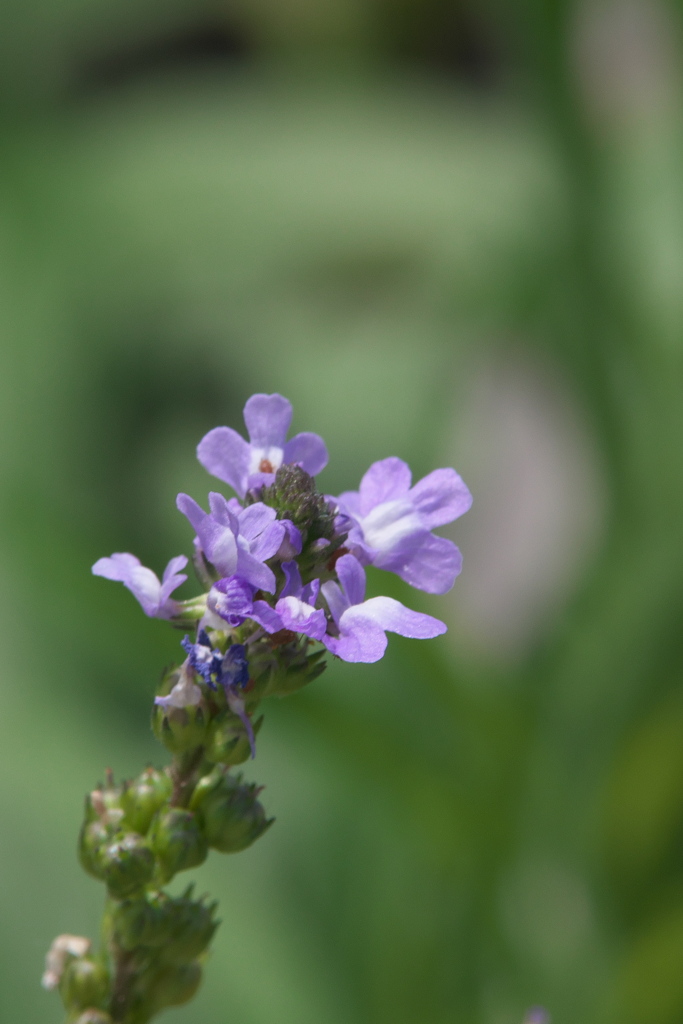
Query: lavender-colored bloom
[
  {"x": 153, "y": 594},
  {"x": 393, "y": 523},
  {"x": 238, "y": 543},
  {"x": 296, "y": 605},
  {"x": 244, "y": 465},
  {"x": 232, "y": 599},
  {"x": 361, "y": 624}
]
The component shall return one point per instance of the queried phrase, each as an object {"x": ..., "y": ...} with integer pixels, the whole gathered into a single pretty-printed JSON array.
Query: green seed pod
[
  {"x": 227, "y": 741},
  {"x": 85, "y": 984},
  {"x": 139, "y": 922},
  {"x": 177, "y": 841},
  {"x": 143, "y": 797},
  {"x": 231, "y": 815},
  {"x": 180, "y": 729},
  {"x": 295, "y": 669},
  {"x": 181, "y": 726},
  {"x": 93, "y": 1017},
  {"x": 92, "y": 840},
  {"x": 174, "y": 986},
  {"x": 127, "y": 865},
  {"x": 193, "y": 928}
]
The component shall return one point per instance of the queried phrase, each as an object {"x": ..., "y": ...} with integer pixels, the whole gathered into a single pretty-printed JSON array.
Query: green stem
[
  {"x": 185, "y": 772},
  {"x": 125, "y": 972}
]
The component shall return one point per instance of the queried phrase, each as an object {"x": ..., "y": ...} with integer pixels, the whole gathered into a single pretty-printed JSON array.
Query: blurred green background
[{"x": 446, "y": 230}]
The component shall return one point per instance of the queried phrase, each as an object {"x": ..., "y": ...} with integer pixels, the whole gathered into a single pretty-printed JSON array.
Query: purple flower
[
  {"x": 154, "y": 595},
  {"x": 238, "y": 542},
  {"x": 362, "y": 624},
  {"x": 229, "y": 670},
  {"x": 226, "y": 455},
  {"x": 296, "y": 606},
  {"x": 393, "y": 523},
  {"x": 205, "y": 660},
  {"x": 232, "y": 598}
]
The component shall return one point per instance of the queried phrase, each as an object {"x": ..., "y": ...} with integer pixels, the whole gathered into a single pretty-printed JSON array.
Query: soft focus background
[{"x": 447, "y": 230}]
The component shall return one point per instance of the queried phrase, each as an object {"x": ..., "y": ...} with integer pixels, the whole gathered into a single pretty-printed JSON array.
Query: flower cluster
[
  {"x": 283, "y": 566},
  {"x": 282, "y": 569}
]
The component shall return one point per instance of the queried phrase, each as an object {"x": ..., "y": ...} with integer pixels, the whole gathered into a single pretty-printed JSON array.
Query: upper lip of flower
[{"x": 225, "y": 454}]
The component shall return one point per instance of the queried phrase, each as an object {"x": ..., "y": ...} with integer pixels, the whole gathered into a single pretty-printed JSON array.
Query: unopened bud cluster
[
  {"x": 135, "y": 838},
  {"x": 282, "y": 567}
]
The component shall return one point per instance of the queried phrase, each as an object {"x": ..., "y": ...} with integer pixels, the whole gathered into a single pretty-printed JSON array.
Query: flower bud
[
  {"x": 228, "y": 741},
  {"x": 179, "y": 726},
  {"x": 143, "y": 797},
  {"x": 193, "y": 928},
  {"x": 92, "y": 840},
  {"x": 294, "y": 496},
  {"x": 139, "y": 922},
  {"x": 174, "y": 986},
  {"x": 127, "y": 865},
  {"x": 180, "y": 729},
  {"x": 294, "y": 670},
  {"x": 229, "y": 811},
  {"x": 177, "y": 841},
  {"x": 85, "y": 984},
  {"x": 60, "y": 953},
  {"x": 181, "y": 928}
]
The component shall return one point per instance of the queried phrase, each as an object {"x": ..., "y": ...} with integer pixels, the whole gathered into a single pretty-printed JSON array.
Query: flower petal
[
  {"x": 224, "y": 454},
  {"x": 266, "y": 617},
  {"x": 231, "y": 598},
  {"x": 440, "y": 497},
  {"x": 221, "y": 511},
  {"x": 393, "y": 616},
  {"x": 336, "y": 601},
  {"x": 301, "y": 618},
  {"x": 269, "y": 542},
  {"x": 220, "y": 547},
  {"x": 217, "y": 541},
  {"x": 117, "y": 567},
  {"x": 293, "y": 585},
  {"x": 291, "y": 542},
  {"x": 171, "y": 580},
  {"x": 432, "y": 565},
  {"x": 174, "y": 566},
  {"x": 349, "y": 502},
  {"x": 384, "y": 481},
  {"x": 361, "y": 639},
  {"x": 352, "y": 578},
  {"x": 267, "y": 418},
  {"x": 194, "y": 512},
  {"x": 310, "y": 592},
  {"x": 255, "y": 572},
  {"x": 308, "y": 450},
  {"x": 141, "y": 581},
  {"x": 254, "y": 519}
]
